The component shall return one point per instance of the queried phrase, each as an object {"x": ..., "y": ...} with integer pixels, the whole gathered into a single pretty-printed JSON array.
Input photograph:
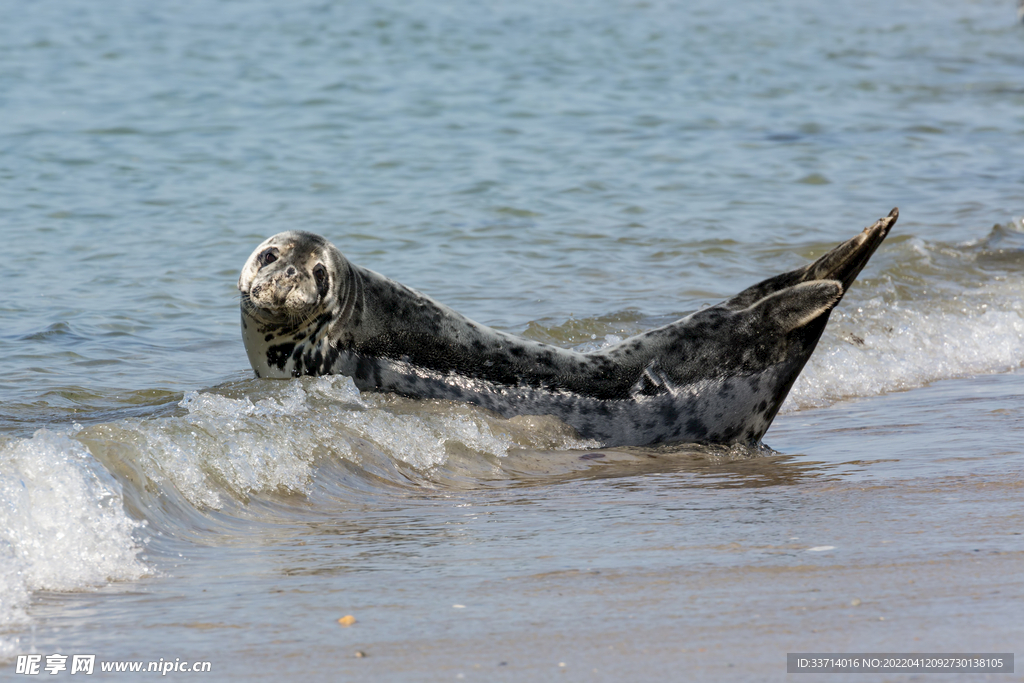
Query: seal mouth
[
  {"x": 277, "y": 315},
  {"x": 258, "y": 312}
]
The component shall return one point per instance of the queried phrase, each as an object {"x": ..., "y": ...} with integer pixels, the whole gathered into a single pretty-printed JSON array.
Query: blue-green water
[{"x": 575, "y": 172}]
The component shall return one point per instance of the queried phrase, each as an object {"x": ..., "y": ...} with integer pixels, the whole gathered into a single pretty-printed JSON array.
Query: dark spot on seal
[
  {"x": 332, "y": 358},
  {"x": 364, "y": 368},
  {"x": 278, "y": 354},
  {"x": 762, "y": 406},
  {"x": 696, "y": 428},
  {"x": 321, "y": 321}
]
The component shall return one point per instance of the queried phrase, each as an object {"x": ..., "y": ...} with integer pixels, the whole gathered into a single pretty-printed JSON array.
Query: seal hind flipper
[
  {"x": 842, "y": 263},
  {"x": 845, "y": 262}
]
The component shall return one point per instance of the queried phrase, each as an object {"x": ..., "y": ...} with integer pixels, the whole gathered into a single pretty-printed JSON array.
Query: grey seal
[{"x": 716, "y": 376}]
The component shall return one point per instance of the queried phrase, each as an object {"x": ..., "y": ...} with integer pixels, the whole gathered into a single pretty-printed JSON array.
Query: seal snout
[{"x": 285, "y": 288}]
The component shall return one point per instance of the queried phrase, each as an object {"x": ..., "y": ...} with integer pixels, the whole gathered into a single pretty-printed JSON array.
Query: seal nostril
[{"x": 290, "y": 272}]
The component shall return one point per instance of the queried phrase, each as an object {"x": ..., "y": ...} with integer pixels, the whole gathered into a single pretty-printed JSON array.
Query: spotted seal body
[{"x": 716, "y": 376}]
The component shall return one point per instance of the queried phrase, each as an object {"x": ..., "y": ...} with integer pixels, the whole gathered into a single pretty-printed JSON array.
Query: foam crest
[
  {"x": 234, "y": 445},
  {"x": 597, "y": 344},
  {"x": 238, "y": 446},
  {"x": 62, "y": 524},
  {"x": 426, "y": 439},
  {"x": 889, "y": 345}
]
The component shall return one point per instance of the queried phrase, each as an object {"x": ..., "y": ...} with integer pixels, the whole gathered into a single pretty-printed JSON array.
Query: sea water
[{"x": 573, "y": 172}]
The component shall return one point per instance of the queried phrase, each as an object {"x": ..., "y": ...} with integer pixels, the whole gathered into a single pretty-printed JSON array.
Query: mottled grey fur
[{"x": 716, "y": 376}]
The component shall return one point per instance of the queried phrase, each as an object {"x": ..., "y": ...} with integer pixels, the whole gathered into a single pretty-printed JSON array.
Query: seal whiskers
[{"x": 719, "y": 375}]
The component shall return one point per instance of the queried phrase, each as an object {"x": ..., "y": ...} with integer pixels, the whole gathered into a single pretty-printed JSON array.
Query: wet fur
[{"x": 716, "y": 376}]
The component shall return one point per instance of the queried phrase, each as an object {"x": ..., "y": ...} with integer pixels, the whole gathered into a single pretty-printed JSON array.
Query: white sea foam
[
  {"x": 62, "y": 523},
  {"x": 425, "y": 440},
  {"x": 885, "y": 345},
  {"x": 597, "y": 344},
  {"x": 238, "y": 446},
  {"x": 232, "y": 444}
]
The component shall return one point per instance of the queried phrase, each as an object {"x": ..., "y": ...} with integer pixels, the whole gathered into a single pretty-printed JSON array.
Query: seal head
[
  {"x": 285, "y": 277},
  {"x": 290, "y": 287}
]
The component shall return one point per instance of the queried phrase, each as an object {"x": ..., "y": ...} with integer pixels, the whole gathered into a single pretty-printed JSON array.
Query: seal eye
[
  {"x": 320, "y": 275},
  {"x": 267, "y": 257}
]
